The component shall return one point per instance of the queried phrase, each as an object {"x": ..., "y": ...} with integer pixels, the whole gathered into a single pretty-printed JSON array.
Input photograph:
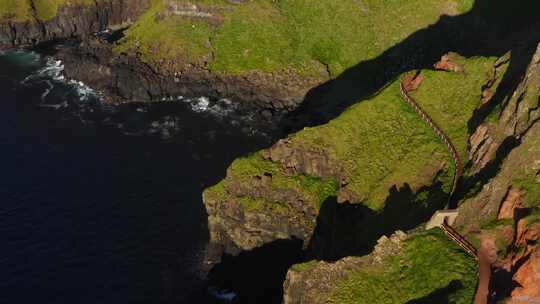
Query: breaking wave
[
  {"x": 86, "y": 104},
  {"x": 59, "y": 92}
]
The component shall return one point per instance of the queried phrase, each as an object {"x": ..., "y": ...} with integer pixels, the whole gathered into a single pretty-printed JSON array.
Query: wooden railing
[
  {"x": 459, "y": 239},
  {"x": 429, "y": 121}
]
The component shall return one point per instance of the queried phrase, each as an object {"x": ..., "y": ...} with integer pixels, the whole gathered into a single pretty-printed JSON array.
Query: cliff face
[{"x": 78, "y": 18}]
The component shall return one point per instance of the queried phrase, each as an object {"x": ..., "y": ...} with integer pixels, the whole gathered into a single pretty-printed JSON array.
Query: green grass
[
  {"x": 305, "y": 267},
  {"x": 273, "y": 36},
  {"x": 381, "y": 143},
  {"x": 21, "y": 10},
  {"x": 156, "y": 39},
  {"x": 464, "y": 6},
  {"x": 530, "y": 184},
  {"x": 242, "y": 172},
  {"x": 430, "y": 262}
]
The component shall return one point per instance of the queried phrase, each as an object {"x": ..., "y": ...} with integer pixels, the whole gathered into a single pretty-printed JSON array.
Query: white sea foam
[
  {"x": 83, "y": 91},
  {"x": 220, "y": 108},
  {"x": 53, "y": 69},
  {"x": 225, "y": 295},
  {"x": 200, "y": 104},
  {"x": 52, "y": 74}
]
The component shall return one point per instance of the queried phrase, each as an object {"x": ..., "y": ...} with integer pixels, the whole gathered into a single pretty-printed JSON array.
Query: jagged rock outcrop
[
  {"x": 71, "y": 21},
  {"x": 512, "y": 142},
  {"x": 244, "y": 215},
  {"x": 124, "y": 78},
  {"x": 512, "y": 117}
]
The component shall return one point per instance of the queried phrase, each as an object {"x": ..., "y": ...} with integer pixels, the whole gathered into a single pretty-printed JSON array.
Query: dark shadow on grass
[
  {"x": 353, "y": 229},
  {"x": 490, "y": 28}
]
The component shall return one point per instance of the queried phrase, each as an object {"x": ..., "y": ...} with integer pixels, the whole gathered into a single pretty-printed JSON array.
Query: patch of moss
[
  {"x": 531, "y": 186},
  {"x": 253, "y": 204},
  {"x": 304, "y": 267},
  {"x": 313, "y": 190},
  {"x": 273, "y": 36},
  {"x": 524, "y": 173},
  {"x": 431, "y": 268}
]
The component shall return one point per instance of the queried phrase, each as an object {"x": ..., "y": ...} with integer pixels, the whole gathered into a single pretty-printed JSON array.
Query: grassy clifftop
[
  {"x": 24, "y": 10},
  {"x": 376, "y": 144},
  {"x": 272, "y": 36}
]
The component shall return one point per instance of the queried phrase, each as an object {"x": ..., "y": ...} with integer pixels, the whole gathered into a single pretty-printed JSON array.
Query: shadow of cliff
[
  {"x": 353, "y": 229},
  {"x": 257, "y": 276},
  {"x": 490, "y": 28}
]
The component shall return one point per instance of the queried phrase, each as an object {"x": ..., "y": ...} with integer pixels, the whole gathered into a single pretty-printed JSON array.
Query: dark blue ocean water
[{"x": 103, "y": 204}]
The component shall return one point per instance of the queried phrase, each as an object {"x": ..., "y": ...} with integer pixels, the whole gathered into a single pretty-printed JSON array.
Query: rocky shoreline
[{"x": 124, "y": 78}]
